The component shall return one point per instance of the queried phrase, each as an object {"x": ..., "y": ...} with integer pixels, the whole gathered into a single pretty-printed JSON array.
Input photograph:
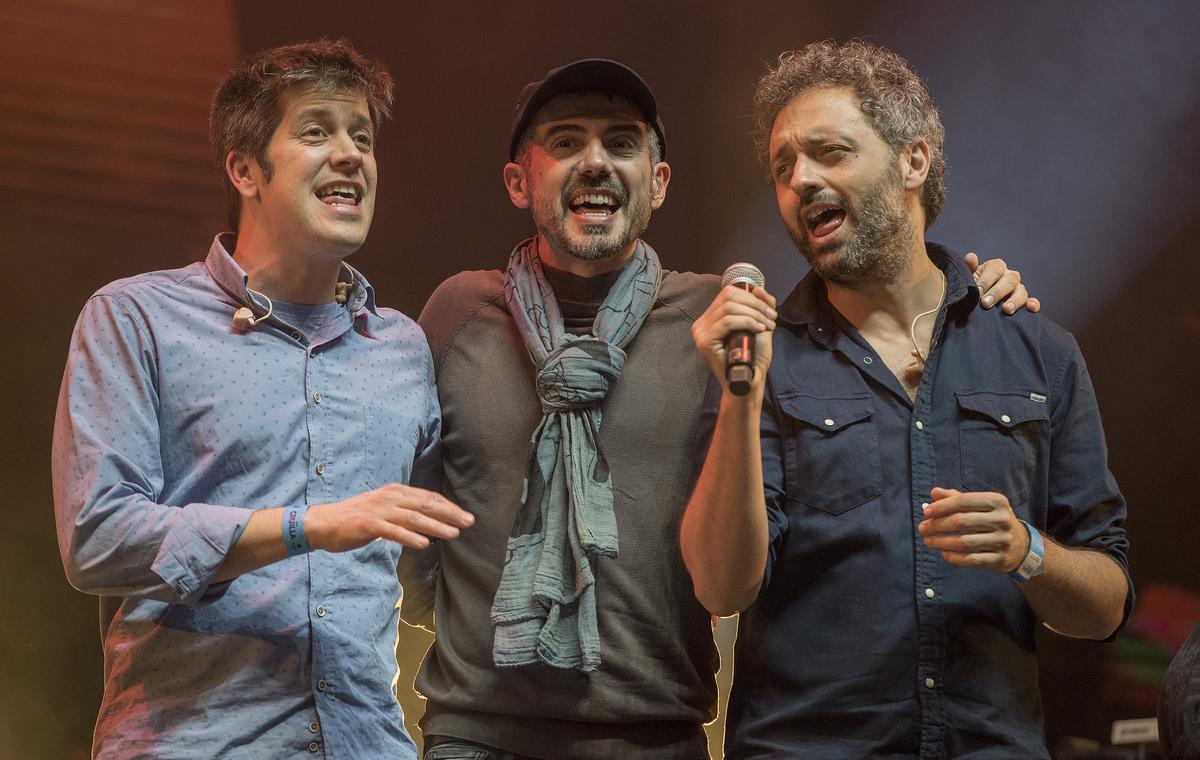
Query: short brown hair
[
  {"x": 891, "y": 96},
  {"x": 245, "y": 109}
]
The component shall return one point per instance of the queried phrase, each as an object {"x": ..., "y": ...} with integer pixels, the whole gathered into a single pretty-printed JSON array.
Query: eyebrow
[
  {"x": 816, "y": 138},
  {"x": 326, "y": 114},
  {"x": 570, "y": 126}
]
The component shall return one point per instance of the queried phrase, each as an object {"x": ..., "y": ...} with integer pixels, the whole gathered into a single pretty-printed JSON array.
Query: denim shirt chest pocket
[
  {"x": 831, "y": 451},
  {"x": 999, "y": 434}
]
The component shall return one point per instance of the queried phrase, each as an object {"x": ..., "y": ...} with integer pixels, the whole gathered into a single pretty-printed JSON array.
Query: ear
[
  {"x": 244, "y": 173},
  {"x": 914, "y": 164},
  {"x": 658, "y": 184},
  {"x": 517, "y": 183}
]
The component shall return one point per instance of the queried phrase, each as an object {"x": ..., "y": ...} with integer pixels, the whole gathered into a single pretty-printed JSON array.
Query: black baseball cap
[{"x": 600, "y": 74}]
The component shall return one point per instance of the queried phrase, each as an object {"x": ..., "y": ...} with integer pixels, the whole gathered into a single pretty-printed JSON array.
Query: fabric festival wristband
[{"x": 294, "y": 541}]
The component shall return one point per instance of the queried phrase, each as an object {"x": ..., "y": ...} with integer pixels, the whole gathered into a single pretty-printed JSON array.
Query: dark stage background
[{"x": 1072, "y": 150}]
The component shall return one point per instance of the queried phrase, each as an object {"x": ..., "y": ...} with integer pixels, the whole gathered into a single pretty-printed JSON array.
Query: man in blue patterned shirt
[
  {"x": 914, "y": 482},
  {"x": 234, "y": 441}
]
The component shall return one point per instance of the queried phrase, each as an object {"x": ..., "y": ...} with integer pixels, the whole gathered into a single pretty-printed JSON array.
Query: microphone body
[{"x": 739, "y": 344}]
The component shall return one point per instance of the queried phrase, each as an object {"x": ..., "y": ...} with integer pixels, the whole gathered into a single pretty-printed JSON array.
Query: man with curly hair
[{"x": 912, "y": 482}]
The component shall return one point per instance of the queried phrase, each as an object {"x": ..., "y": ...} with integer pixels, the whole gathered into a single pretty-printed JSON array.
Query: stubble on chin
[
  {"x": 878, "y": 249},
  {"x": 598, "y": 241}
]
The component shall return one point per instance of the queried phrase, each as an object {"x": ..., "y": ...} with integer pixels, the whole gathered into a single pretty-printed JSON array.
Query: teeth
[
  {"x": 595, "y": 199},
  {"x": 348, "y": 191},
  {"x": 813, "y": 216}
]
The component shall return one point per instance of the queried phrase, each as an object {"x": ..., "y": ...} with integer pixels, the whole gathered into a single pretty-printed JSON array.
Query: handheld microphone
[{"x": 739, "y": 345}]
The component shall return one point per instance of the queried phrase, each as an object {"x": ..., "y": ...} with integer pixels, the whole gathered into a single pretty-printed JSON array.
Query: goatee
[
  {"x": 598, "y": 241},
  {"x": 877, "y": 250}
]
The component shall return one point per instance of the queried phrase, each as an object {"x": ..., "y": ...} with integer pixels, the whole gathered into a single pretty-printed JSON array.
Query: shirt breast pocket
[
  {"x": 390, "y": 440},
  {"x": 998, "y": 437},
  {"x": 831, "y": 451}
]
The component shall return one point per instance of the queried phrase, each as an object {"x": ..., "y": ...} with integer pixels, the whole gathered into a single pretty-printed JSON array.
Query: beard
[
  {"x": 596, "y": 241},
  {"x": 877, "y": 251}
]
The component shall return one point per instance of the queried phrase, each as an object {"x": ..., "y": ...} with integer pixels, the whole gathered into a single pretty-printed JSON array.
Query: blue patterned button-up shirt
[{"x": 171, "y": 429}]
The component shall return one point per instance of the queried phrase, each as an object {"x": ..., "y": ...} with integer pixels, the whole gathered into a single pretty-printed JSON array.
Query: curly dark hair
[
  {"x": 891, "y": 96},
  {"x": 245, "y": 109}
]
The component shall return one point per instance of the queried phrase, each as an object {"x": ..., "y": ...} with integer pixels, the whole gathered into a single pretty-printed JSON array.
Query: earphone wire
[{"x": 912, "y": 328}]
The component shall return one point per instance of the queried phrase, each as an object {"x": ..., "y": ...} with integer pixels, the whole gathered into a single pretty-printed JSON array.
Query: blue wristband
[
  {"x": 1034, "y": 563},
  {"x": 294, "y": 541}
]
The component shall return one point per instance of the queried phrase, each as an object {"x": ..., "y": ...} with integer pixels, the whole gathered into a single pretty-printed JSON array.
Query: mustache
[
  {"x": 595, "y": 183},
  {"x": 814, "y": 195}
]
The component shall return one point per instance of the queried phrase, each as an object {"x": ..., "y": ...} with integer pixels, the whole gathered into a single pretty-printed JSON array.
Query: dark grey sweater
[{"x": 655, "y": 687}]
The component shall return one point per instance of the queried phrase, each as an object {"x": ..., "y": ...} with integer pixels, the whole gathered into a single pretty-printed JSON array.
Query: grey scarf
[{"x": 545, "y": 607}]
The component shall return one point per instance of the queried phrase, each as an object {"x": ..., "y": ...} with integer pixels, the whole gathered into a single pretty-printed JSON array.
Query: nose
[
  {"x": 595, "y": 160},
  {"x": 805, "y": 178},
  {"x": 346, "y": 154}
]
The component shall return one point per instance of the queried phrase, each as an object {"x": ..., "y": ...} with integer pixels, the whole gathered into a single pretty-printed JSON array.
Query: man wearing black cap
[
  {"x": 582, "y": 638},
  {"x": 566, "y": 622}
]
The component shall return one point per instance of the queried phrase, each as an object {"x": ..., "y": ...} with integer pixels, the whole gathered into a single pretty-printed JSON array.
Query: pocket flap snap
[
  {"x": 829, "y": 414},
  {"x": 1005, "y": 408}
]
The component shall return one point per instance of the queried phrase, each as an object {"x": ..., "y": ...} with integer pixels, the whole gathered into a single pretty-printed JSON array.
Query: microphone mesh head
[{"x": 743, "y": 272}]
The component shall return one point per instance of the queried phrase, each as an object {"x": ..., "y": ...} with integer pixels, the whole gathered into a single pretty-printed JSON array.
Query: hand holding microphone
[{"x": 734, "y": 333}]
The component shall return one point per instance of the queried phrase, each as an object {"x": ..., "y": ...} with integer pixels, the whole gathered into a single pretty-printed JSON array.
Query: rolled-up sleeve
[
  {"x": 1085, "y": 508},
  {"x": 774, "y": 481},
  {"x": 772, "y": 463},
  {"x": 114, "y": 536}
]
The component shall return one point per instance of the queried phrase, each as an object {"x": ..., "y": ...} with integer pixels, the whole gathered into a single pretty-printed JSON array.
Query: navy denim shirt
[{"x": 864, "y": 642}]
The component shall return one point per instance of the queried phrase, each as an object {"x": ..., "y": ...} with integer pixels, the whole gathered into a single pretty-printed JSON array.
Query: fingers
[
  {"x": 997, "y": 282},
  {"x": 757, "y": 301},
  {"x": 947, "y": 501},
  {"x": 425, "y": 511},
  {"x": 997, "y": 540},
  {"x": 733, "y": 309},
  {"x": 982, "y": 560},
  {"x": 973, "y": 529},
  {"x": 972, "y": 261},
  {"x": 403, "y": 536},
  {"x": 1019, "y": 298},
  {"x": 765, "y": 297}
]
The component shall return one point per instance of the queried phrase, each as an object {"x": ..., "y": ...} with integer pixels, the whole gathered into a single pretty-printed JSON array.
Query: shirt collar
[
  {"x": 808, "y": 303},
  {"x": 234, "y": 280}
]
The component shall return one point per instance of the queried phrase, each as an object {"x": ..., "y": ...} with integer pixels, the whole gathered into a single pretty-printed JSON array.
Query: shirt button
[
  {"x": 315, "y": 727},
  {"x": 929, "y": 683},
  {"x": 929, "y": 593},
  {"x": 296, "y": 336},
  {"x": 313, "y": 746},
  {"x": 321, "y": 685},
  {"x": 1005, "y": 418},
  {"x": 320, "y": 468},
  {"x": 920, "y": 425},
  {"x": 867, "y": 360},
  {"x": 317, "y": 397},
  {"x": 320, "y": 612},
  {"x": 829, "y": 422}
]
